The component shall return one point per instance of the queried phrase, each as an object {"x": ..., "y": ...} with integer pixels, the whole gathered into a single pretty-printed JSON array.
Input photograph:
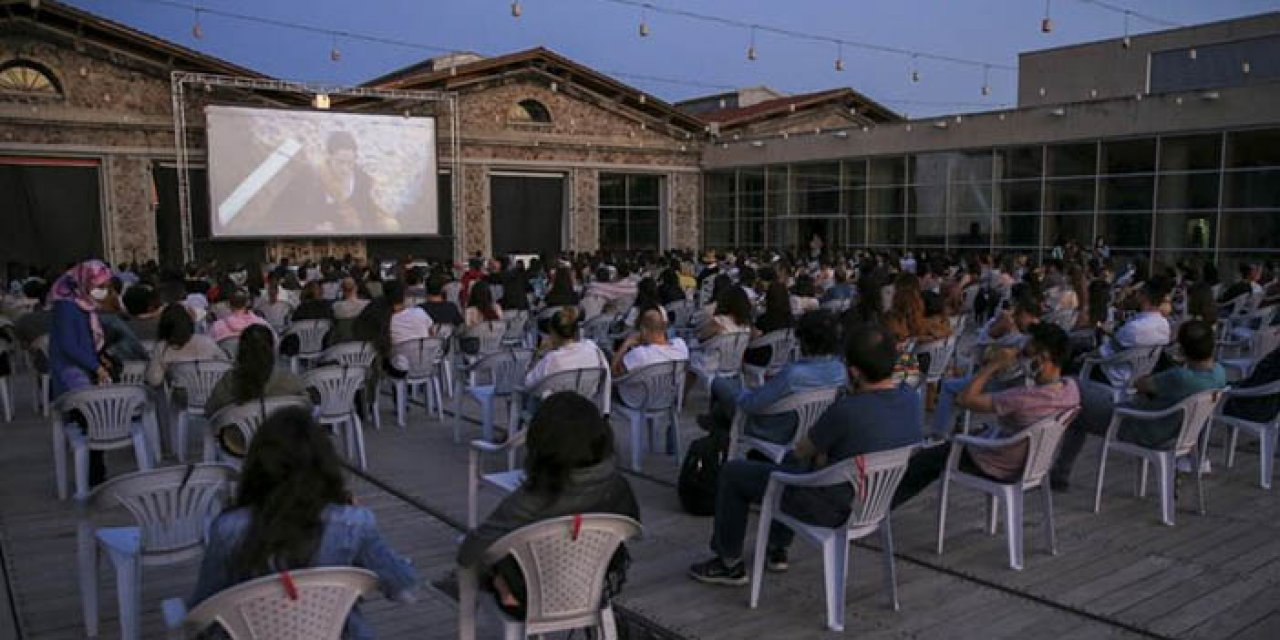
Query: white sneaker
[{"x": 1184, "y": 465}]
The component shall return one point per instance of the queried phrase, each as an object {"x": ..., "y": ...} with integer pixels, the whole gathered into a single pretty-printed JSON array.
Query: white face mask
[{"x": 99, "y": 293}]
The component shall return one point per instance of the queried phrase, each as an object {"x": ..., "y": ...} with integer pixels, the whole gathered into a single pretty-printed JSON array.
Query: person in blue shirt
[
  {"x": 818, "y": 368},
  {"x": 879, "y": 414},
  {"x": 841, "y": 289},
  {"x": 77, "y": 339},
  {"x": 293, "y": 511}
]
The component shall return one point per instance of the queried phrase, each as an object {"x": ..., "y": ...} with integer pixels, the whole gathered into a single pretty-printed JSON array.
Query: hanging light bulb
[
  {"x": 751, "y": 49},
  {"x": 516, "y": 9},
  {"x": 335, "y": 54},
  {"x": 197, "y": 31},
  {"x": 1191, "y": 53},
  {"x": 915, "y": 70},
  {"x": 1046, "y": 23},
  {"x": 986, "y": 77},
  {"x": 839, "y": 56},
  {"x": 1245, "y": 67},
  {"x": 644, "y": 22},
  {"x": 1126, "y": 42}
]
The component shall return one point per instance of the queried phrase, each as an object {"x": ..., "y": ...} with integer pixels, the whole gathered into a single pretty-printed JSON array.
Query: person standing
[{"x": 76, "y": 338}]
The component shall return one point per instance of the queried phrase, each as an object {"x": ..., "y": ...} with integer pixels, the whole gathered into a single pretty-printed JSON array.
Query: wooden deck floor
[{"x": 1119, "y": 574}]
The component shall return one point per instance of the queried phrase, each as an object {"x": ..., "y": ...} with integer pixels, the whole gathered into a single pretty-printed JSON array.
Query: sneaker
[
  {"x": 1185, "y": 465},
  {"x": 715, "y": 571},
  {"x": 776, "y": 561}
]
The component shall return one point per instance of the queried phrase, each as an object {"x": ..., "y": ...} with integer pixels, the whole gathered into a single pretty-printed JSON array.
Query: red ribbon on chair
[
  {"x": 290, "y": 589},
  {"x": 577, "y": 526},
  {"x": 861, "y": 463}
]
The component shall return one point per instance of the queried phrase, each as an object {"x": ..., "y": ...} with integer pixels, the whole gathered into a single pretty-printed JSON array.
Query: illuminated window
[
  {"x": 529, "y": 111},
  {"x": 20, "y": 76}
]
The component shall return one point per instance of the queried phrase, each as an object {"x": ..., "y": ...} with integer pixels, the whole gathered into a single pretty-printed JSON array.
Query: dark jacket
[{"x": 73, "y": 360}]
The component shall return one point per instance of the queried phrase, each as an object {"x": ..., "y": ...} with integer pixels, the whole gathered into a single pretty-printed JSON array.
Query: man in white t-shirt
[
  {"x": 1149, "y": 328},
  {"x": 650, "y": 345},
  {"x": 407, "y": 322}
]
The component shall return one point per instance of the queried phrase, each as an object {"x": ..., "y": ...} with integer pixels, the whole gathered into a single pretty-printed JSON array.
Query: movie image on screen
[{"x": 279, "y": 173}]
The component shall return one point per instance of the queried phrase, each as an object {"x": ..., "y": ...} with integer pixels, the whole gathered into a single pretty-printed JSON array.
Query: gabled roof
[
  {"x": 422, "y": 75},
  {"x": 82, "y": 24},
  {"x": 782, "y": 107}
]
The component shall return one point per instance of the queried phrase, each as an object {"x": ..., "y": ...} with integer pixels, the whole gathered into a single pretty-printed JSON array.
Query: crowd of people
[{"x": 860, "y": 320}]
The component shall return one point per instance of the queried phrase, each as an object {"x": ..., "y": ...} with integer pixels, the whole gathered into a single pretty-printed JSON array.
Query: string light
[
  {"x": 915, "y": 70},
  {"x": 986, "y": 84},
  {"x": 197, "y": 31},
  {"x": 839, "y": 56},
  {"x": 1127, "y": 41},
  {"x": 644, "y": 21},
  {"x": 1191, "y": 53},
  {"x": 1046, "y": 23},
  {"x": 516, "y": 9},
  {"x": 335, "y": 54},
  {"x": 751, "y": 49},
  {"x": 1245, "y": 67}
]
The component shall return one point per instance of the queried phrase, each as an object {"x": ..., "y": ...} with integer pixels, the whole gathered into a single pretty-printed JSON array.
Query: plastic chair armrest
[
  {"x": 829, "y": 476},
  {"x": 1139, "y": 414},
  {"x": 991, "y": 443}
]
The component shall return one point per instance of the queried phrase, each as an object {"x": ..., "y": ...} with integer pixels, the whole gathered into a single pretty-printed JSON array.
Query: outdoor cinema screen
[{"x": 279, "y": 173}]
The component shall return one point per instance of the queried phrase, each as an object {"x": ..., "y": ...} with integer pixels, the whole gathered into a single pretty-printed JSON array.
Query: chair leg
[
  {"x": 486, "y": 419},
  {"x": 1049, "y": 529},
  {"x": 993, "y": 515},
  {"x": 675, "y": 436},
  {"x": 1167, "y": 468},
  {"x": 608, "y": 624},
  {"x": 1231, "y": 447},
  {"x": 638, "y": 423},
  {"x": 129, "y": 592},
  {"x": 59, "y": 459},
  {"x": 402, "y": 393},
  {"x": 81, "y": 453},
  {"x": 1267, "y": 449},
  {"x": 890, "y": 567},
  {"x": 357, "y": 437},
  {"x": 473, "y": 486},
  {"x": 180, "y": 436},
  {"x": 7, "y": 398},
  {"x": 1102, "y": 472},
  {"x": 1141, "y": 490},
  {"x": 943, "y": 489},
  {"x": 763, "y": 524},
  {"x": 835, "y": 556},
  {"x": 87, "y": 557},
  {"x": 1013, "y": 525},
  {"x": 457, "y": 417},
  {"x": 435, "y": 386},
  {"x": 141, "y": 450}
]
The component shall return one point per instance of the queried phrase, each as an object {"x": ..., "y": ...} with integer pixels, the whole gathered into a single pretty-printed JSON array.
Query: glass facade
[
  {"x": 1214, "y": 196},
  {"x": 631, "y": 211}
]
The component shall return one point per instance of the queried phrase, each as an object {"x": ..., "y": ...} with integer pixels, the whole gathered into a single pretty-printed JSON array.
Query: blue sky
[{"x": 604, "y": 36}]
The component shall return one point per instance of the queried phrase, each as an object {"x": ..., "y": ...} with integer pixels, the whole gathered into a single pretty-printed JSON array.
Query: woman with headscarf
[{"x": 76, "y": 338}]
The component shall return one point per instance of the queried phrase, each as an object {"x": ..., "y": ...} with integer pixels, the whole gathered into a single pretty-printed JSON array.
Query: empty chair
[
  {"x": 808, "y": 406},
  {"x": 1042, "y": 440},
  {"x": 493, "y": 377},
  {"x": 517, "y": 331},
  {"x": 719, "y": 357},
  {"x": 1123, "y": 367},
  {"x": 196, "y": 379},
  {"x": 241, "y": 421},
  {"x": 564, "y": 562},
  {"x": 421, "y": 361},
  {"x": 263, "y": 609},
  {"x": 1255, "y": 348},
  {"x": 1195, "y": 411},
  {"x": 113, "y": 416},
  {"x": 780, "y": 343},
  {"x": 310, "y": 335},
  {"x": 875, "y": 477},
  {"x": 1264, "y": 431},
  {"x": 485, "y": 337},
  {"x": 337, "y": 386},
  {"x": 171, "y": 508},
  {"x": 940, "y": 353},
  {"x": 649, "y": 396}
]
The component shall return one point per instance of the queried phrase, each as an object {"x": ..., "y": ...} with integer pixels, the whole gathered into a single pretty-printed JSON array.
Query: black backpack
[{"x": 700, "y": 473}]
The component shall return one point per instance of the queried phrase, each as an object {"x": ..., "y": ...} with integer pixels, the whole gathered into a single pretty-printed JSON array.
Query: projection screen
[{"x": 276, "y": 173}]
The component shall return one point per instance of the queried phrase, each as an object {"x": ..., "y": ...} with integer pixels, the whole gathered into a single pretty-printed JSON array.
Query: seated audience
[
  {"x": 255, "y": 374},
  {"x": 877, "y": 415},
  {"x": 407, "y": 322},
  {"x": 803, "y": 296},
  {"x": 480, "y": 305},
  {"x": 1148, "y": 328},
  {"x": 350, "y": 305},
  {"x": 564, "y": 349},
  {"x": 240, "y": 319},
  {"x": 293, "y": 511},
  {"x": 179, "y": 342},
  {"x": 777, "y": 315},
  {"x": 650, "y": 345},
  {"x": 143, "y": 306},
  {"x": 313, "y": 306},
  {"x": 437, "y": 307}
]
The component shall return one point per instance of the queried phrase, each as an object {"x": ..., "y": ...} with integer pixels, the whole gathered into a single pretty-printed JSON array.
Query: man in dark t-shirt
[
  {"x": 441, "y": 311},
  {"x": 878, "y": 415}
]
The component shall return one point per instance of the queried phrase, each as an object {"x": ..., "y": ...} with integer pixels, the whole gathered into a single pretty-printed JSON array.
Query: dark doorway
[
  {"x": 51, "y": 210},
  {"x": 169, "y": 223},
  {"x": 527, "y": 213}
]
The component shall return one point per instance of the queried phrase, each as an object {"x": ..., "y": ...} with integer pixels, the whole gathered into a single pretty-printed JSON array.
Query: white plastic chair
[
  {"x": 422, "y": 356},
  {"x": 599, "y": 330},
  {"x": 1256, "y": 347},
  {"x": 940, "y": 353},
  {"x": 196, "y": 379},
  {"x": 564, "y": 561},
  {"x": 350, "y": 353},
  {"x": 780, "y": 343},
  {"x": 276, "y": 314},
  {"x": 681, "y": 312},
  {"x": 6, "y": 383},
  {"x": 311, "y": 335},
  {"x": 261, "y": 609},
  {"x": 231, "y": 346},
  {"x": 517, "y": 330},
  {"x": 113, "y": 414},
  {"x": 489, "y": 333},
  {"x": 1042, "y": 440},
  {"x": 648, "y": 396},
  {"x": 39, "y": 354},
  {"x": 505, "y": 481},
  {"x": 337, "y": 386},
  {"x": 838, "y": 305},
  {"x": 1265, "y": 432},
  {"x": 171, "y": 509},
  {"x": 245, "y": 419},
  {"x": 1136, "y": 362},
  {"x": 719, "y": 357},
  {"x": 1196, "y": 411},
  {"x": 808, "y": 406},
  {"x": 875, "y": 477},
  {"x": 493, "y": 377}
]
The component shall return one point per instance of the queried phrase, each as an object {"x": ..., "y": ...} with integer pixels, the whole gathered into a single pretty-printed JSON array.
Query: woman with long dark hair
[
  {"x": 480, "y": 305},
  {"x": 569, "y": 469},
  {"x": 255, "y": 374},
  {"x": 293, "y": 511},
  {"x": 777, "y": 315},
  {"x": 179, "y": 342},
  {"x": 562, "y": 293}
]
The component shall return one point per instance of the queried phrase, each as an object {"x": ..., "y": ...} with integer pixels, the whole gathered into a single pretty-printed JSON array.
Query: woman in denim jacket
[{"x": 293, "y": 511}]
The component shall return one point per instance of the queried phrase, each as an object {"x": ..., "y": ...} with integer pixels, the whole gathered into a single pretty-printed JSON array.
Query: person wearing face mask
[{"x": 1016, "y": 408}]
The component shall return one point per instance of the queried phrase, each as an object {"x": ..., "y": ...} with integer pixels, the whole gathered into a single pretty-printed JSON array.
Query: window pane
[
  {"x": 720, "y": 183},
  {"x": 1252, "y": 189},
  {"x": 975, "y": 197},
  {"x": 1189, "y": 190},
  {"x": 886, "y": 200},
  {"x": 1127, "y": 194},
  {"x": 1129, "y": 156},
  {"x": 888, "y": 171},
  {"x": 1126, "y": 229},
  {"x": 929, "y": 168},
  {"x": 971, "y": 166},
  {"x": 926, "y": 231},
  {"x": 776, "y": 203},
  {"x": 857, "y": 233},
  {"x": 751, "y": 205},
  {"x": 646, "y": 191},
  {"x": 1020, "y": 162},
  {"x": 1017, "y": 230},
  {"x": 1186, "y": 153},
  {"x": 1254, "y": 230},
  {"x": 886, "y": 231},
  {"x": 613, "y": 232},
  {"x": 1069, "y": 227},
  {"x": 855, "y": 173},
  {"x": 1073, "y": 159},
  {"x": 927, "y": 201},
  {"x": 1022, "y": 196},
  {"x": 751, "y": 232},
  {"x": 815, "y": 189},
  {"x": 1259, "y": 148},
  {"x": 855, "y": 202},
  {"x": 720, "y": 208},
  {"x": 1069, "y": 195},
  {"x": 1190, "y": 230},
  {"x": 718, "y": 234},
  {"x": 751, "y": 181},
  {"x": 643, "y": 230},
  {"x": 613, "y": 189},
  {"x": 970, "y": 231}
]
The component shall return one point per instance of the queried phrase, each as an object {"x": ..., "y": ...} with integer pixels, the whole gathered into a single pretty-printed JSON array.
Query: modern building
[{"x": 1167, "y": 145}]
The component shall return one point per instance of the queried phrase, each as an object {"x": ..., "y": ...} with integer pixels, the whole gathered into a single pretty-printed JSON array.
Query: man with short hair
[
  {"x": 350, "y": 305},
  {"x": 407, "y": 322},
  {"x": 878, "y": 415},
  {"x": 1149, "y": 328},
  {"x": 1157, "y": 392},
  {"x": 240, "y": 319},
  {"x": 1247, "y": 284},
  {"x": 649, "y": 346},
  {"x": 441, "y": 310}
]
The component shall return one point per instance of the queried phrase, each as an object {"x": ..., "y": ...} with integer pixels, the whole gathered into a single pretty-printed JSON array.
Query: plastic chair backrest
[
  {"x": 681, "y": 312},
  {"x": 705, "y": 291},
  {"x": 504, "y": 370},
  {"x": 262, "y": 610},
  {"x": 423, "y": 355},
  {"x": 489, "y": 333},
  {"x": 248, "y": 416},
  {"x": 654, "y": 387},
  {"x": 838, "y": 305},
  {"x": 108, "y": 410},
  {"x": 1196, "y": 412},
  {"x": 780, "y": 343},
  {"x": 808, "y": 407},
  {"x": 1042, "y": 445},
  {"x": 276, "y": 314},
  {"x": 230, "y": 345},
  {"x": 172, "y": 506},
  {"x": 1140, "y": 360},
  {"x": 133, "y": 372},
  {"x": 875, "y": 477},
  {"x": 564, "y": 566},
  {"x": 587, "y": 382},
  {"x": 350, "y": 353},
  {"x": 939, "y": 352},
  {"x": 337, "y": 385},
  {"x": 728, "y": 349},
  {"x": 310, "y": 334},
  {"x": 517, "y": 322},
  {"x": 197, "y": 378}
]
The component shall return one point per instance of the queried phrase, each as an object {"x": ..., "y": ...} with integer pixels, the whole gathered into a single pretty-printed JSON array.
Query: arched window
[
  {"x": 529, "y": 111},
  {"x": 24, "y": 76}
]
